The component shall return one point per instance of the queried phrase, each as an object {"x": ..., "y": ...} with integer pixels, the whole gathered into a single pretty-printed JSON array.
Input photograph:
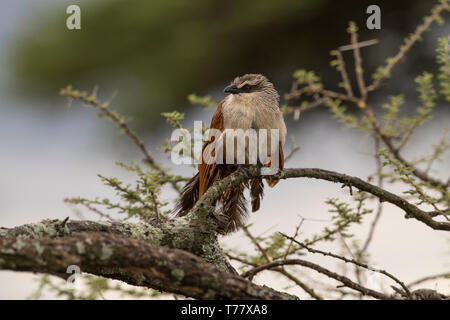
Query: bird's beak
[{"x": 231, "y": 89}]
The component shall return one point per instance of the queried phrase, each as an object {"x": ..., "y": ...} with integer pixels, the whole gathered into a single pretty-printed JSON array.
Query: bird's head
[{"x": 253, "y": 86}]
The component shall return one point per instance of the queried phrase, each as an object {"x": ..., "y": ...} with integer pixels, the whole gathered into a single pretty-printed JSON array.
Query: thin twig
[
  {"x": 416, "y": 36},
  {"x": 445, "y": 275},
  {"x": 241, "y": 260},
  {"x": 344, "y": 74},
  {"x": 395, "y": 152},
  {"x": 380, "y": 204},
  {"x": 91, "y": 100},
  {"x": 360, "y": 44},
  {"x": 440, "y": 148},
  {"x": 297, "y": 228},
  {"x": 314, "y": 89},
  {"x": 256, "y": 243},
  {"x": 294, "y": 149},
  {"x": 353, "y": 261},
  {"x": 97, "y": 211},
  {"x": 300, "y": 283},
  {"x": 358, "y": 61},
  {"x": 346, "y": 281}
]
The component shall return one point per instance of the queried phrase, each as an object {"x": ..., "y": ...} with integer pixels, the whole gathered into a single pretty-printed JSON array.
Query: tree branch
[
  {"x": 353, "y": 261},
  {"x": 445, "y": 275},
  {"x": 91, "y": 100},
  {"x": 132, "y": 261},
  {"x": 175, "y": 233},
  {"x": 346, "y": 281},
  {"x": 215, "y": 192},
  {"x": 410, "y": 41}
]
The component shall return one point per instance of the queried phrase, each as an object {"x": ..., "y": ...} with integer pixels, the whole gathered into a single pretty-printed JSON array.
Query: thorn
[
  {"x": 348, "y": 184},
  {"x": 63, "y": 223}
]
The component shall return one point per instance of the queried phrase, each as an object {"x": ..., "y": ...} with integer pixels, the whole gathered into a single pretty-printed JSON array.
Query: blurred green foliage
[{"x": 156, "y": 53}]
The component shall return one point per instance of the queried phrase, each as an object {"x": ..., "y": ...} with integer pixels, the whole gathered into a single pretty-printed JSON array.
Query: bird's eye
[{"x": 247, "y": 87}]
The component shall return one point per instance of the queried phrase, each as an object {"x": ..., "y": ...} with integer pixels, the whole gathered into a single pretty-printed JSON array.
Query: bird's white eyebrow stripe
[{"x": 242, "y": 84}]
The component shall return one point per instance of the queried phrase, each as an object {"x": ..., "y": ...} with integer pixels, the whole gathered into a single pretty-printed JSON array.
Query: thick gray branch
[
  {"x": 175, "y": 233},
  {"x": 132, "y": 261}
]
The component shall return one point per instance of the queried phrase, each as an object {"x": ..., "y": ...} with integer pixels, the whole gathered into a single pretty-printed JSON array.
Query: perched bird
[{"x": 252, "y": 103}]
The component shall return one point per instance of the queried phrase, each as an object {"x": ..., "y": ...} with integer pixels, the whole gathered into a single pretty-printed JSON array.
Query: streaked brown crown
[{"x": 257, "y": 83}]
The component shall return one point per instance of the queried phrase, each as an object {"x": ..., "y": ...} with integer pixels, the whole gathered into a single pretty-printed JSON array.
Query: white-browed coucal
[{"x": 252, "y": 103}]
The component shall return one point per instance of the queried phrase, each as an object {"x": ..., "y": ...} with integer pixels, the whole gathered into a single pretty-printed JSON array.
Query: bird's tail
[
  {"x": 189, "y": 196},
  {"x": 232, "y": 206},
  {"x": 256, "y": 193}
]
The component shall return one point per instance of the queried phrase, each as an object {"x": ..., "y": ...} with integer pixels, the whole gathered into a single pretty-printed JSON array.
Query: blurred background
[{"x": 154, "y": 54}]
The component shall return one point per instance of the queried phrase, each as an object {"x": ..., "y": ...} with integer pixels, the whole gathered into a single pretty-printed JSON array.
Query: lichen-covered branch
[
  {"x": 132, "y": 261},
  {"x": 176, "y": 233}
]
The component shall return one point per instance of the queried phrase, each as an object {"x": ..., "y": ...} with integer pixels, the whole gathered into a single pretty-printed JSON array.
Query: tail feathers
[
  {"x": 189, "y": 196},
  {"x": 234, "y": 206},
  {"x": 256, "y": 193}
]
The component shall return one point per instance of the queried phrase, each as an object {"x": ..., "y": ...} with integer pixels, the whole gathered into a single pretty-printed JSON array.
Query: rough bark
[
  {"x": 177, "y": 233},
  {"x": 132, "y": 261}
]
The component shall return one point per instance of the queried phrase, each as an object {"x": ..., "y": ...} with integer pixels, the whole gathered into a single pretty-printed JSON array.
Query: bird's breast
[{"x": 240, "y": 115}]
